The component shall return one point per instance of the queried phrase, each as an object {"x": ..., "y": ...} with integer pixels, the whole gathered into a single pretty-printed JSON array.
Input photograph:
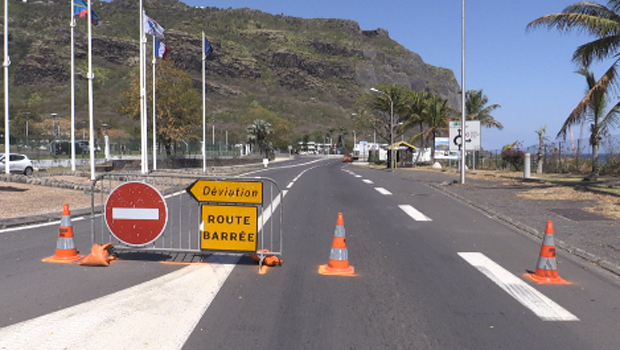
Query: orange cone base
[
  {"x": 66, "y": 260},
  {"x": 546, "y": 280},
  {"x": 328, "y": 270}
]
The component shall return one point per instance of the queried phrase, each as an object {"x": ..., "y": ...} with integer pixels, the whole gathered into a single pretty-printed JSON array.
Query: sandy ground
[{"x": 20, "y": 200}]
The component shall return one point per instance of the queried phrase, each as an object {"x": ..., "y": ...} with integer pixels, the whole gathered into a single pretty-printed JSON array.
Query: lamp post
[
  {"x": 26, "y": 115},
  {"x": 54, "y": 120},
  {"x": 391, "y": 165}
]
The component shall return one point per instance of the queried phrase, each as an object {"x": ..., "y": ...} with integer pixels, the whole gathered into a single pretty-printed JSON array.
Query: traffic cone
[
  {"x": 547, "y": 269},
  {"x": 339, "y": 255},
  {"x": 65, "y": 247}
]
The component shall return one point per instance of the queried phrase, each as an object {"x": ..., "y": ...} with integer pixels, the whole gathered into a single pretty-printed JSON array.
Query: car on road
[
  {"x": 347, "y": 158},
  {"x": 18, "y": 163}
]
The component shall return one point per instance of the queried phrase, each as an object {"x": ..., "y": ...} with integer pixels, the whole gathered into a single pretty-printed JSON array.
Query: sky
[{"x": 528, "y": 72}]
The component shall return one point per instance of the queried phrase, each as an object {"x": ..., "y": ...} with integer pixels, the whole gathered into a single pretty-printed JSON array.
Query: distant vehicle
[
  {"x": 60, "y": 147},
  {"x": 347, "y": 158},
  {"x": 18, "y": 163}
]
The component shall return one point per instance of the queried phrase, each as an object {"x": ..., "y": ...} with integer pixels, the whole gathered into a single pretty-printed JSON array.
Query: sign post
[
  {"x": 136, "y": 213},
  {"x": 225, "y": 227},
  {"x": 234, "y": 225}
]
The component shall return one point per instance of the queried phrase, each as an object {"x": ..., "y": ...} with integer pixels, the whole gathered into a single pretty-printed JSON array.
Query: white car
[{"x": 19, "y": 163}]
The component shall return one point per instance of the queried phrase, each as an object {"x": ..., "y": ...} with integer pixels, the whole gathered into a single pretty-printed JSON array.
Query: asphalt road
[{"x": 444, "y": 276}]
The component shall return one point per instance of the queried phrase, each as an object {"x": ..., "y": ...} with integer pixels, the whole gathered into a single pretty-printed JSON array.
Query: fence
[
  {"x": 41, "y": 147},
  {"x": 135, "y": 221}
]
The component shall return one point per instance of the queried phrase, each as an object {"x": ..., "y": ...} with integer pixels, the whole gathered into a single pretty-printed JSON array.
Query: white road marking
[
  {"x": 529, "y": 297},
  {"x": 358, "y": 176},
  {"x": 368, "y": 181},
  {"x": 383, "y": 191},
  {"x": 157, "y": 314},
  {"x": 135, "y": 213},
  {"x": 414, "y": 213}
]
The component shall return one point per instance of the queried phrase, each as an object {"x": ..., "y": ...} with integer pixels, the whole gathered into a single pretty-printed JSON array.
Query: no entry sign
[{"x": 136, "y": 213}]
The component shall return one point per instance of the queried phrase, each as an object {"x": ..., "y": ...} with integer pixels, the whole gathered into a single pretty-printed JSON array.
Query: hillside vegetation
[{"x": 308, "y": 72}]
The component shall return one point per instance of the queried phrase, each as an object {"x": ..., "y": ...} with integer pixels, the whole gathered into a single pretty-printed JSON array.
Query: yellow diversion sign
[
  {"x": 226, "y": 191},
  {"x": 225, "y": 227}
]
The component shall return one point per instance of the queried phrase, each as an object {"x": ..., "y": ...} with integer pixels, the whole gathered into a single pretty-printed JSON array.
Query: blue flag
[
  {"x": 80, "y": 9},
  {"x": 208, "y": 48}
]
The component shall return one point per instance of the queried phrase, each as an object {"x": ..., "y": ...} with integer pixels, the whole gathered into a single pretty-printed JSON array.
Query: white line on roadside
[
  {"x": 368, "y": 181},
  {"x": 160, "y": 313},
  {"x": 529, "y": 297},
  {"x": 383, "y": 191},
  {"x": 414, "y": 213}
]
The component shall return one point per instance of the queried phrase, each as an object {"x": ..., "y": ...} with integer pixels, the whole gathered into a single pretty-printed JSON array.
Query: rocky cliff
[{"x": 306, "y": 70}]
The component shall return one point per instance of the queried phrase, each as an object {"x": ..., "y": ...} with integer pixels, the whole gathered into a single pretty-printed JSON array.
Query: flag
[
  {"x": 80, "y": 9},
  {"x": 208, "y": 48},
  {"x": 161, "y": 50},
  {"x": 153, "y": 28}
]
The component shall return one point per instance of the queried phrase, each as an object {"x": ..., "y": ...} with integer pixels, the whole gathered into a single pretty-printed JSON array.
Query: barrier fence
[{"x": 163, "y": 213}]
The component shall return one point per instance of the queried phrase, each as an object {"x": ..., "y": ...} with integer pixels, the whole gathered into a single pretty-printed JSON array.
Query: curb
[{"x": 578, "y": 252}]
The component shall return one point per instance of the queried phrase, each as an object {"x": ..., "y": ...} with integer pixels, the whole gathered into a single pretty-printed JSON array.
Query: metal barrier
[{"x": 193, "y": 214}]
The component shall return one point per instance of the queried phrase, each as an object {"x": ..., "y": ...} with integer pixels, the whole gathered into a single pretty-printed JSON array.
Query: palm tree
[
  {"x": 600, "y": 21},
  {"x": 435, "y": 117},
  {"x": 258, "y": 132},
  {"x": 476, "y": 109},
  {"x": 594, "y": 112}
]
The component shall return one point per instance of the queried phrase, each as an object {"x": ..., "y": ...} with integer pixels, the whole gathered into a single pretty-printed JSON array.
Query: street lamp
[
  {"x": 391, "y": 166},
  {"x": 26, "y": 115},
  {"x": 54, "y": 119}
]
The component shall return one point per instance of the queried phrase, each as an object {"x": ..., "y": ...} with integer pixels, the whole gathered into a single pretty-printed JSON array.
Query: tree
[
  {"x": 476, "y": 109},
  {"x": 258, "y": 133},
  {"x": 541, "y": 145},
  {"x": 602, "y": 22},
  {"x": 178, "y": 104},
  {"x": 379, "y": 102},
  {"x": 595, "y": 114},
  {"x": 435, "y": 118}
]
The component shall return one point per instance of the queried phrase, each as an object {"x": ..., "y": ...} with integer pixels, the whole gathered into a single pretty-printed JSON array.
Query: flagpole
[
  {"x": 144, "y": 168},
  {"x": 154, "y": 110},
  {"x": 72, "y": 24},
  {"x": 6, "y": 64},
  {"x": 204, "y": 108},
  {"x": 91, "y": 76}
]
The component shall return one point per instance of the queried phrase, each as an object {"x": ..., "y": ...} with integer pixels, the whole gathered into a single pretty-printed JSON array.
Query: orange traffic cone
[
  {"x": 65, "y": 247},
  {"x": 547, "y": 269},
  {"x": 339, "y": 255}
]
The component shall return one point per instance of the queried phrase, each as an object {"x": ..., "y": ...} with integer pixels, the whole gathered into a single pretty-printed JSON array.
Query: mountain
[{"x": 308, "y": 71}]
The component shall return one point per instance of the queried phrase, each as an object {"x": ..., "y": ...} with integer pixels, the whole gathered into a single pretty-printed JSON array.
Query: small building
[{"x": 404, "y": 154}]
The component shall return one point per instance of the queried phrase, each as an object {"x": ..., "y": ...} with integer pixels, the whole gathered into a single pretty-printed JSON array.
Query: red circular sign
[{"x": 136, "y": 213}]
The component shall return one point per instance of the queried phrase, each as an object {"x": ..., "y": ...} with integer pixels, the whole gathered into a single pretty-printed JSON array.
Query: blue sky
[{"x": 529, "y": 73}]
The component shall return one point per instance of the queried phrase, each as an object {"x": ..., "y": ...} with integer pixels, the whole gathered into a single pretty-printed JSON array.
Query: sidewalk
[{"x": 595, "y": 238}]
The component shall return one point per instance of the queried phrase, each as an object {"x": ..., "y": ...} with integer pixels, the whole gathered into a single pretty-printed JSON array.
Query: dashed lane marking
[
  {"x": 414, "y": 213},
  {"x": 529, "y": 297},
  {"x": 383, "y": 191}
]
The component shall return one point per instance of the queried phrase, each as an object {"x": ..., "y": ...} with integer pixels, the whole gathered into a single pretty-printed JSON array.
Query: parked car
[
  {"x": 347, "y": 158},
  {"x": 18, "y": 163}
]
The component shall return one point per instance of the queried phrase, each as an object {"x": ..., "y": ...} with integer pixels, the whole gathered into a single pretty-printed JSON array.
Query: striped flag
[{"x": 161, "y": 50}]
